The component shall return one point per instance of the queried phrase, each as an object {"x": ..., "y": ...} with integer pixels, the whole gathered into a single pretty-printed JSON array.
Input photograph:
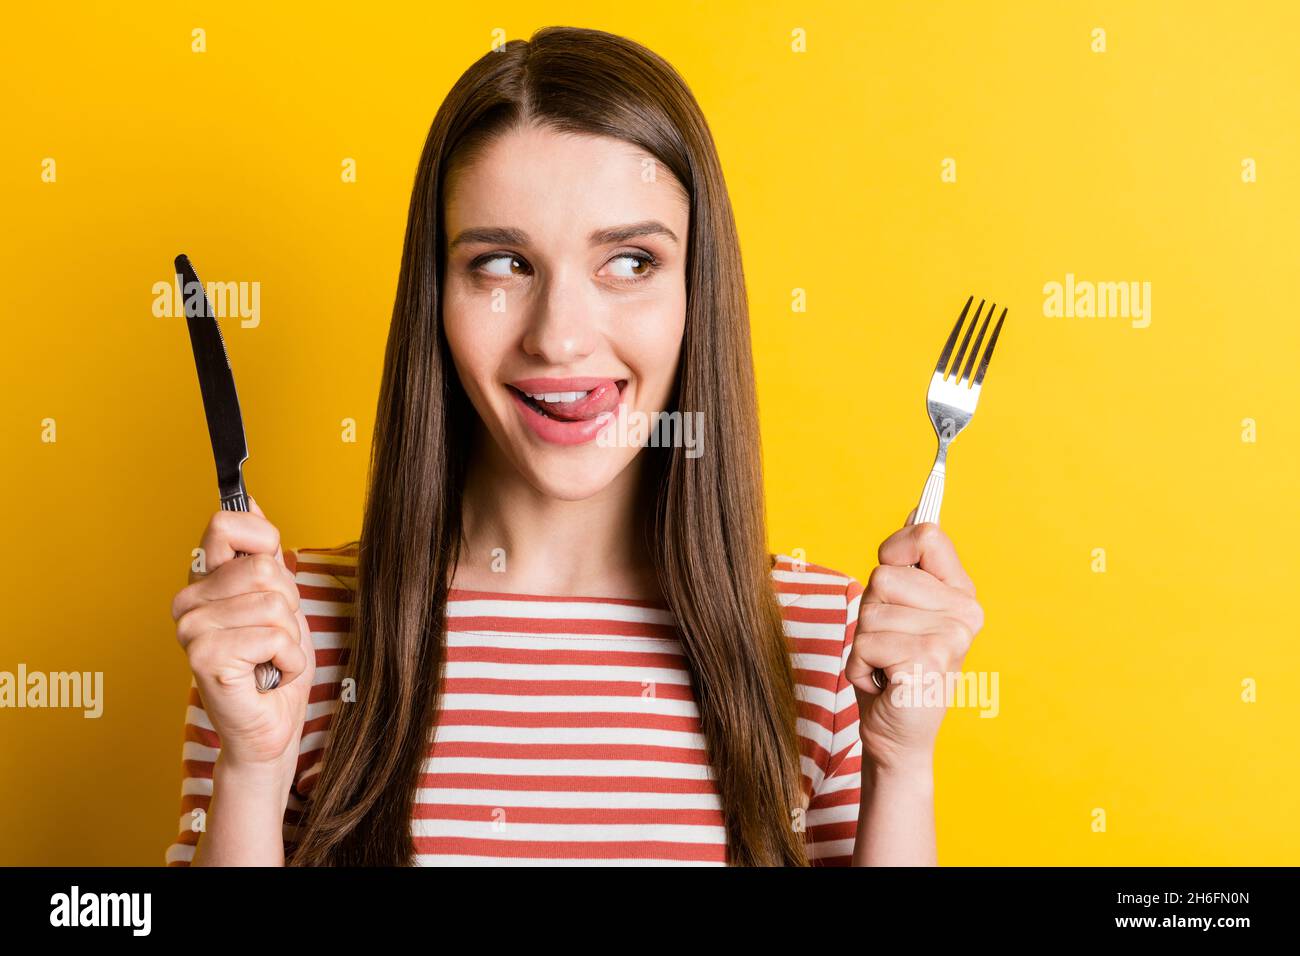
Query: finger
[
  {"x": 230, "y": 656},
  {"x": 257, "y": 608},
  {"x": 256, "y": 509},
  {"x": 914, "y": 588},
  {"x": 911, "y": 516},
  {"x": 900, "y": 618},
  {"x": 253, "y": 572},
  {"x": 231, "y": 531},
  {"x": 884, "y": 649},
  {"x": 892, "y": 651},
  {"x": 927, "y": 546}
]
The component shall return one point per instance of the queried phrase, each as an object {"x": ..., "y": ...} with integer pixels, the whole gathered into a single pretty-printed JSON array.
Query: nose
[{"x": 563, "y": 322}]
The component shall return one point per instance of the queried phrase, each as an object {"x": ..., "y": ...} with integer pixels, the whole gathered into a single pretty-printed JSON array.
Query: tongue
[{"x": 602, "y": 398}]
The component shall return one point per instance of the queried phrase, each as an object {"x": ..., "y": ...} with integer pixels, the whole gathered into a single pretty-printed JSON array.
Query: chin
[{"x": 574, "y": 476}]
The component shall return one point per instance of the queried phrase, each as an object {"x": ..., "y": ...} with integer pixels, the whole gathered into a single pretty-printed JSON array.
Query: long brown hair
[{"x": 705, "y": 530}]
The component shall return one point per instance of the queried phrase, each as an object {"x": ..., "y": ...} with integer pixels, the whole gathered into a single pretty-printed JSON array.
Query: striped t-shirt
[{"x": 567, "y": 730}]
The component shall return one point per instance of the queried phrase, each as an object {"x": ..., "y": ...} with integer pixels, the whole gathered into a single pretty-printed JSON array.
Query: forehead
[{"x": 559, "y": 186}]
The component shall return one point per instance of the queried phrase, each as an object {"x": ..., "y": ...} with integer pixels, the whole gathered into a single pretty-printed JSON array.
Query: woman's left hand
[{"x": 910, "y": 617}]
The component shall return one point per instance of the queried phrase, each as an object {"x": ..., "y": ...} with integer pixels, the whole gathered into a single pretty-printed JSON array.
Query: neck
[{"x": 517, "y": 539}]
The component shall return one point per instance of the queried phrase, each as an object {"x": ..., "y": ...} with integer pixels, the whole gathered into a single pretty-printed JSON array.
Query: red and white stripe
[{"x": 568, "y": 733}]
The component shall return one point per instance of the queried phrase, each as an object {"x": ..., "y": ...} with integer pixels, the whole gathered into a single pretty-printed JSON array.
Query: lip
[
  {"x": 556, "y": 431},
  {"x": 563, "y": 384}
]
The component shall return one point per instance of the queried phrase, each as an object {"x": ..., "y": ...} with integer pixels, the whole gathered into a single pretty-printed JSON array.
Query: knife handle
[{"x": 267, "y": 674}]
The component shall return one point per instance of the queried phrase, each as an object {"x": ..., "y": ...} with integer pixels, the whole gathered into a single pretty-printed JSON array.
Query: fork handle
[
  {"x": 267, "y": 674},
  {"x": 927, "y": 510},
  {"x": 931, "y": 495}
]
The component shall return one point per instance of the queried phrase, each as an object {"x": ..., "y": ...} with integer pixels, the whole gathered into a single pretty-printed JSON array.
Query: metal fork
[{"x": 951, "y": 402}]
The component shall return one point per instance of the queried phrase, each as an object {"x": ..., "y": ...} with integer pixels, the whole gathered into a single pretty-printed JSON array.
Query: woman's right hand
[{"x": 240, "y": 612}]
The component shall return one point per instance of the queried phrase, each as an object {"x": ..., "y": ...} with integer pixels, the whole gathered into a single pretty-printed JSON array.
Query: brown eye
[
  {"x": 501, "y": 271},
  {"x": 631, "y": 271}
]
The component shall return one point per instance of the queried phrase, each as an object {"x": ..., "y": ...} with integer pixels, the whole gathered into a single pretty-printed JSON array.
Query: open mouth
[
  {"x": 570, "y": 411},
  {"x": 572, "y": 405},
  {"x": 535, "y": 401}
]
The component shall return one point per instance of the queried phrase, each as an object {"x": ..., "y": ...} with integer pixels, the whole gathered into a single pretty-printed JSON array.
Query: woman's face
[{"x": 564, "y": 298}]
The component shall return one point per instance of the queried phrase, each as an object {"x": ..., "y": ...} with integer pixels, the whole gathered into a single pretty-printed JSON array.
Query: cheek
[
  {"x": 474, "y": 342},
  {"x": 651, "y": 345}
]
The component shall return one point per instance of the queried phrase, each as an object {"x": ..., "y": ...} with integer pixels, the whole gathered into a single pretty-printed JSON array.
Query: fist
[
  {"x": 242, "y": 611},
  {"x": 918, "y": 618}
]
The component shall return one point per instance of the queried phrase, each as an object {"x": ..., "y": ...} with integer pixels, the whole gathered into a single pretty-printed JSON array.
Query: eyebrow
[{"x": 498, "y": 235}]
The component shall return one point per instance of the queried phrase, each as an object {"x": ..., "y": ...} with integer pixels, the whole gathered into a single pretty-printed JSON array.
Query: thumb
[
  {"x": 911, "y": 515},
  {"x": 858, "y": 673},
  {"x": 255, "y": 508}
]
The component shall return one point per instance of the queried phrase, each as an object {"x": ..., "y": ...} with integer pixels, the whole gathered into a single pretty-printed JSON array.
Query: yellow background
[{"x": 1119, "y": 690}]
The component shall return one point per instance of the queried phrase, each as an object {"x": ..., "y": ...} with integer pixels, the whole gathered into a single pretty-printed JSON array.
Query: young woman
[{"x": 553, "y": 642}]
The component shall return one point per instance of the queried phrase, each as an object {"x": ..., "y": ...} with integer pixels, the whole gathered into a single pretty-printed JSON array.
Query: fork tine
[
  {"x": 952, "y": 339},
  {"x": 956, "y": 366},
  {"x": 975, "y": 349},
  {"x": 988, "y": 352}
]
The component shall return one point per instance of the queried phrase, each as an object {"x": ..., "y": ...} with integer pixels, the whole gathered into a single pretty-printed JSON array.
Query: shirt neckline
[{"x": 471, "y": 594}]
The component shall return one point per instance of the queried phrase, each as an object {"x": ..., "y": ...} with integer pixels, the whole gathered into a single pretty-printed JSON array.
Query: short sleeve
[
  {"x": 832, "y": 817},
  {"x": 199, "y": 751}
]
